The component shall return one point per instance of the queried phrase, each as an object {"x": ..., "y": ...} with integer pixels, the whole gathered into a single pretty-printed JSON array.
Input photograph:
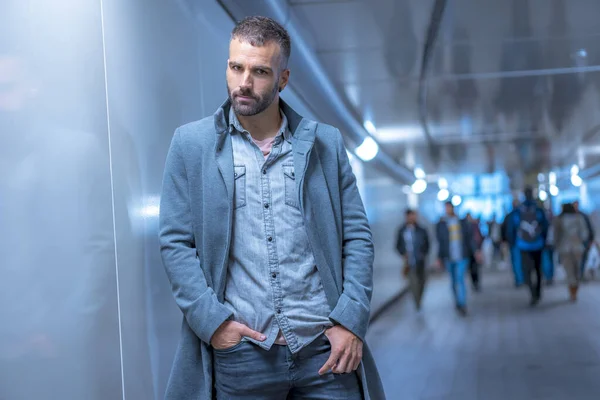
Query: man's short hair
[
  {"x": 449, "y": 203},
  {"x": 260, "y": 30},
  {"x": 409, "y": 211},
  {"x": 528, "y": 192}
]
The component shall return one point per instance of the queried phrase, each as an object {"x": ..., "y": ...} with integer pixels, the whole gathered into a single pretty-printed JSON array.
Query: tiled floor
[{"x": 504, "y": 350}]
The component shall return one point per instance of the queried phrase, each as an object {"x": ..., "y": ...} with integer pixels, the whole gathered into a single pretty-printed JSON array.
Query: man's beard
[{"x": 259, "y": 104}]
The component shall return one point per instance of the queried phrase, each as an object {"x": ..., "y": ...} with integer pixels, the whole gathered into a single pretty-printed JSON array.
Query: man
[
  {"x": 510, "y": 238},
  {"x": 266, "y": 243},
  {"x": 590, "y": 240},
  {"x": 456, "y": 245},
  {"x": 529, "y": 227},
  {"x": 413, "y": 245},
  {"x": 473, "y": 261}
]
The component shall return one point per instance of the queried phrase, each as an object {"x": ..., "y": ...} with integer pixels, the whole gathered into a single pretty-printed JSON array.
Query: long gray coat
[{"x": 195, "y": 233}]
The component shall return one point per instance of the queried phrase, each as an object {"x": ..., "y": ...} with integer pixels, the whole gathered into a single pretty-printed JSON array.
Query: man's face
[
  {"x": 576, "y": 206},
  {"x": 411, "y": 218},
  {"x": 254, "y": 77},
  {"x": 449, "y": 209}
]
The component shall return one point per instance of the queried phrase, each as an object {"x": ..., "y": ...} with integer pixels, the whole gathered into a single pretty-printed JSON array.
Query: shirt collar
[{"x": 235, "y": 125}]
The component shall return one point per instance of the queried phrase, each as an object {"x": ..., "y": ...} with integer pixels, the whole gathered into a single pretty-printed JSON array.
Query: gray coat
[
  {"x": 195, "y": 234},
  {"x": 570, "y": 233}
]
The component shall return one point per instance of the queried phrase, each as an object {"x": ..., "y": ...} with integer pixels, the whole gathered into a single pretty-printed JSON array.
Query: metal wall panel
[{"x": 59, "y": 331}]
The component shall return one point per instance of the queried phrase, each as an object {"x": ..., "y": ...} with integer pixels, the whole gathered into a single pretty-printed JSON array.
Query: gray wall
[{"x": 90, "y": 94}]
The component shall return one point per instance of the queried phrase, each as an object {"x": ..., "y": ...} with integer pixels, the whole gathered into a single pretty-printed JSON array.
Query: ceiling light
[
  {"x": 370, "y": 127},
  {"x": 576, "y": 180},
  {"x": 574, "y": 170},
  {"x": 543, "y": 195},
  {"x": 443, "y": 183},
  {"x": 368, "y": 149},
  {"x": 443, "y": 195},
  {"x": 552, "y": 178},
  {"x": 419, "y": 173},
  {"x": 419, "y": 186},
  {"x": 456, "y": 200},
  {"x": 554, "y": 190}
]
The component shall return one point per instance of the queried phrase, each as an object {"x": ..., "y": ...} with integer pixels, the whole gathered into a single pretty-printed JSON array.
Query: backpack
[{"x": 529, "y": 230}]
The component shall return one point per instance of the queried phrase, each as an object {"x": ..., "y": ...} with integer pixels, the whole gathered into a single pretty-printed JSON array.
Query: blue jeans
[
  {"x": 548, "y": 264},
  {"x": 517, "y": 265},
  {"x": 457, "y": 272},
  {"x": 247, "y": 371}
]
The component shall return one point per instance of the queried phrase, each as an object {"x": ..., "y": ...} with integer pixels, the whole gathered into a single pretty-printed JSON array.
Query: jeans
[
  {"x": 248, "y": 372},
  {"x": 532, "y": 262},
  {"x": 417, "y": 278},
  {"x": 515, "y": 255},
  {"x": 548, "y": 264},
  {"x": 457, "y": 272}
]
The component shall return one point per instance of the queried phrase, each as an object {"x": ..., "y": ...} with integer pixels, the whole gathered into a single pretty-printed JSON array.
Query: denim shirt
[{"x": 272, "y": 280}]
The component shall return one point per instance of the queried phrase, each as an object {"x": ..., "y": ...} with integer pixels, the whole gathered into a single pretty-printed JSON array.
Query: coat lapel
[{"x": 303, "y": 141}]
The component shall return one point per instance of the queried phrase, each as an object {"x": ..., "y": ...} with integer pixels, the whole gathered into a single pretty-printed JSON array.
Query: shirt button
[
  {"x": 264, "y": 171},
  {"x": 266, "y": 205},
  {"x": 270, "y": 239},
  {"x": 274, "y": 275},
  {"x": 235, "y": 174},
  {"x": 279, "y": 311}
]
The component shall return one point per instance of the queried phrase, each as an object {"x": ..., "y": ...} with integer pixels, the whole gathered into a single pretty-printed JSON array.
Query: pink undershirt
[{"x": 265, "y": 145}]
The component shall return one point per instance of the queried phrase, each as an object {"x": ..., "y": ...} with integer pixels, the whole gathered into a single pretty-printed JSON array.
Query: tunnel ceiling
[{"x": 513, "y": 85}]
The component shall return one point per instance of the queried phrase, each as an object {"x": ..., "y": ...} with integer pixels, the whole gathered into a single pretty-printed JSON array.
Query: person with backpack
[
  {"x": 530, "y": 228},
  {"x": 570, "y": 236}
]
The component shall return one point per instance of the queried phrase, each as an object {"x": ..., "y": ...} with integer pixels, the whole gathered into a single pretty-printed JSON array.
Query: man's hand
[
  {"x": 346, "y": 351},
  {"x": 231, "y": 333}
]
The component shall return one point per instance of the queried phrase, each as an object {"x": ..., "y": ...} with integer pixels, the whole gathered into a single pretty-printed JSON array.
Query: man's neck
[{"x": 264, "y": 125}]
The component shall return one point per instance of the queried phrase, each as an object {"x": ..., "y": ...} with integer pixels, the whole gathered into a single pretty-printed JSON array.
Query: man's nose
[{"x": 247, "y": 80}]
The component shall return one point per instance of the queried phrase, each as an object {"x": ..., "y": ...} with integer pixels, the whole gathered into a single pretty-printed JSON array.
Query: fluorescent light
[
  {"x": 576, "y": 180},
  {"x": 456, "y": 200},
  {"x": 399, "y": 134},
  {"x": 419, "y": 173},
  {"x": 543, "y": 195},
  {"x": 419, "y": 186},
  {"x": 370, "y": 127},
  {"x": 554, "y": 190},
  {"x": 368, "y": 149},
  {"x": 443, "y": 195},
  {"x": 552, "y": 178},
  {"x": 574, "y": 170},
  {"x": 443, "y": 183}
]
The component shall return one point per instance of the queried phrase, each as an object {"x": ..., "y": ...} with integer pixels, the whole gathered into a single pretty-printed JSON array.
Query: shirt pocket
[
  {"x": 291, "y": 192},
  {"x": 239, "y": 175}
]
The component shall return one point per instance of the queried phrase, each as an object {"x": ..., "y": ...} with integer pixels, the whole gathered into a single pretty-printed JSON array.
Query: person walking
[
  {"x": 413, "y": 245},
  {"x": 570, "y": 236},
  {"x": 529, "y": 228},
  {"x": 456, "y": 246}
]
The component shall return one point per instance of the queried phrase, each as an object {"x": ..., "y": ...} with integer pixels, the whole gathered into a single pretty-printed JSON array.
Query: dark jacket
[
  {"x": 421, "y": 243},
  {"x": 515, "y": 222},
  {"x": 443, "y": 238}
]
